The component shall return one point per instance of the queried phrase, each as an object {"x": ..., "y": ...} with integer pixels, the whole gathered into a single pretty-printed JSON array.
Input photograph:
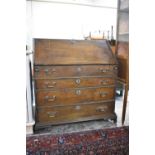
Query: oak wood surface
[
  {"x": 72, "y": 52},
  {"x": 77, "y": 82},
  {"x": 70, "y": 96},
  {"x": 123, "y": 61},
  {"x": 70, "y": 113},
  {"x": 44, "y": 72},
  {"x": 74, "y": 80}
]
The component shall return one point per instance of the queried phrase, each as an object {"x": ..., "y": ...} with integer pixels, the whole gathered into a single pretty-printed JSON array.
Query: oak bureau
[{"x": 74, "y": 81}]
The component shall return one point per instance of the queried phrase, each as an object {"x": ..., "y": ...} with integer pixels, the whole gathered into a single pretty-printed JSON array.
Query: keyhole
[{"x": 77, "y": 81}]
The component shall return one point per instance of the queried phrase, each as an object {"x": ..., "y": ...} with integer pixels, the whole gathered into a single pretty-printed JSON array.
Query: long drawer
[
  {"x": 73, "y": 96},
  {"x": 73, "y": 82},
  {"x": 44, "y": 72},
  {"x": 71, "y": 113}
]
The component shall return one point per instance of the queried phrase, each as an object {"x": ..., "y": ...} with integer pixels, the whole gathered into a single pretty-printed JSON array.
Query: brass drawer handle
[
  {"x": 36, "y": 69},
  {"x": 47, "y": 71},
  {"x": 53, "y": 70},
  {"x": 115, "y": 67},
  {"x": 104, "y": 82},
  {"x": 101, "y": 109},
  {"x": 103, "y": 70},
  {"x": 77, "y": 81},
  {"x": 50, "y": 99},
  {"x": 51, "y": 86},
  {"x": 51, "y": 114},
  {"x": 103, "y": 94}
]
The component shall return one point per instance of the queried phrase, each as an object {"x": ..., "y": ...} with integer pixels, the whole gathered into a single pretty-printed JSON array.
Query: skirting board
[{"x": 29, "y": 127}]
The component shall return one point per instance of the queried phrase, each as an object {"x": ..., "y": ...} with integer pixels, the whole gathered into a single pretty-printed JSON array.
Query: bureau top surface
[{"x": 71, "y": 52}]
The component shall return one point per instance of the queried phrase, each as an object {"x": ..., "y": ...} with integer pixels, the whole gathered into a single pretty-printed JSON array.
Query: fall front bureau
[{"x": 74, "y": 81}]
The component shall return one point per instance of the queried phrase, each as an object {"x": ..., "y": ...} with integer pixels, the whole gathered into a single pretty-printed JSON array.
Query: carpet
[{"x": 112, "y": 141}]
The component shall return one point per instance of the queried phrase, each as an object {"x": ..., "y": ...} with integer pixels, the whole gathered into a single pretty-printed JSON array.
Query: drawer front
[
  {"x": 72, "y": 113},
  {"x": 72, "y": 96},
  {"x": 73, "y": 82},
  {"x": 44, "y": 72}
]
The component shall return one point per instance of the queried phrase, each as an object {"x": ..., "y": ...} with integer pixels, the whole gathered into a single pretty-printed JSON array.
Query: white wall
[
  {"x": 68, "y": 21},
  {"x": 29, "y": 23},
  {"x": 100, "y": 3}
]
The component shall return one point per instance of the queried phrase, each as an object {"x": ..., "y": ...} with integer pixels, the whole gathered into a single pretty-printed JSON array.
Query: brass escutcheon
[
  {"x": 78, "y": 92},
  {"x": 77, "y": 107},
  {"x": 78, "y": 81}
]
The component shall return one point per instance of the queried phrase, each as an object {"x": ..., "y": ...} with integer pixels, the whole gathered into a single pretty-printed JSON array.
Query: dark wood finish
[
  {"x": 78, "y": 82},
  {"x": 123, "y": 61},
  {"x": 105, "y": 117},
  {"x": 45, "y": 72},
  {"x": 124, "y": 103},
  {"x": 71, "y": 113},
  {"x": 72, "y": 96},
  {"x": 113, "y": 48},
  {"x": 74, "y": 81},
  {"x": 69, "y": 52}
]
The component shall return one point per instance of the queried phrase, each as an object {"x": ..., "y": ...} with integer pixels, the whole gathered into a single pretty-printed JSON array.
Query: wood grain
[
  {"x": 70, "y": 113},
  {"x": 72, "y": 52},
  {"x": 77, "y": 82},
  {"x": 74, "y": 81}
]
